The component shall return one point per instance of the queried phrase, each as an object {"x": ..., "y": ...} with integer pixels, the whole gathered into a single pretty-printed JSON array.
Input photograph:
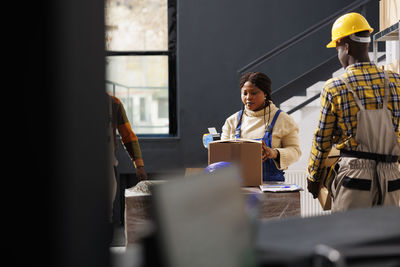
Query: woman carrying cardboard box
[{"x": 260, "y": 119}]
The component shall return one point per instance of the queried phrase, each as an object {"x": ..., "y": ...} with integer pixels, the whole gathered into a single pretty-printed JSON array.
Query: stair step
[
  {"x": 342, "y": 70},
  {"x": 292, "y": 102},
  {"x": 314, "y": 89},
  {"x": 297, "y": 100},
  {"x": 338, "y": 72}
]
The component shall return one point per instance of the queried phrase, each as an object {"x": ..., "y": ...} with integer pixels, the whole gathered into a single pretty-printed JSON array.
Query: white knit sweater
[{"x": 284, "y": 136}]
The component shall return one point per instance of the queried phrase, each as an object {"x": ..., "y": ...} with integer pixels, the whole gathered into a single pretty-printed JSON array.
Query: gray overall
[
  {"x": 370, "y": 175},
  {"x": 112, "y": 158}
]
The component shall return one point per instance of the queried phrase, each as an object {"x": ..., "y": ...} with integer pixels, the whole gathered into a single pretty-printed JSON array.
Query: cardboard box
[
  {"x": 138, "y": 212},
  {"x": 324, "y": 196},
  {"x": 245, "y": 153},
  {"x": 138, "y": 219},
  {"x": 389, "y": 13}
]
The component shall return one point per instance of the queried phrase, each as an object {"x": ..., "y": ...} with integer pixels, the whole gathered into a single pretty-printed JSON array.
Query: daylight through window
[{"x": 140, "y": 62}]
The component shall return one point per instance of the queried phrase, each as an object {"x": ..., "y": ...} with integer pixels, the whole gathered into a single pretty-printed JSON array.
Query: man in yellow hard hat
[{"x": 360, "y": 115}]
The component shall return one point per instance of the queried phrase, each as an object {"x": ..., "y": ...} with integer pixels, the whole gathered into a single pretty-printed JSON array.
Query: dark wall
[{"x": 217, "y": 38}]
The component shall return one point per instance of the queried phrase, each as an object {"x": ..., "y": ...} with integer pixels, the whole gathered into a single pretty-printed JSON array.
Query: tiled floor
[
  {"x": 118, "y": 236},
  {"x": 120, "y": 255},
  {"x": 126, "y": 257}
]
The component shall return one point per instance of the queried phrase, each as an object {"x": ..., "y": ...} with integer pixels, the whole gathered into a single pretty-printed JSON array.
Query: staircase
[{"x": 320, "y": 72}]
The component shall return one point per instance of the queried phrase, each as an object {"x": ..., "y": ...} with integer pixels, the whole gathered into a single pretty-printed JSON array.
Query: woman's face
[{"x": 252, "y": 97}]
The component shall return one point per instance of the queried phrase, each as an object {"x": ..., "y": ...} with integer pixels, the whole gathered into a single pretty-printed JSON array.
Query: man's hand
[
  {"x": 313, "y": 188},
  {"x": 141, "y": 173}
]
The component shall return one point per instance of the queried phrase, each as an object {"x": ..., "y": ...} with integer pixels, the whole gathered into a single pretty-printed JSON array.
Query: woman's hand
[{"x": 268, "y": 153}]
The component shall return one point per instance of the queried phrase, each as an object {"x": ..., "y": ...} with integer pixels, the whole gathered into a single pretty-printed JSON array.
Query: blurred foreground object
[
  {"x": 217, "y": 166},
  {"x": 201, "y": 221},
  {"x": 360, "y": 237}
]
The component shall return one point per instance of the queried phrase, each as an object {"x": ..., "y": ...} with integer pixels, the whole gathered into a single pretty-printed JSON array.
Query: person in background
[
  {"x": 117, "y": 120},
  {"x": 360, "y": 114},
  {"x": 260, "y": 119}
]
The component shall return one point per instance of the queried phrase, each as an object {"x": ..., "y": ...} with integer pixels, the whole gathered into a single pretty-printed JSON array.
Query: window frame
[{"x": 172, "y": 81}]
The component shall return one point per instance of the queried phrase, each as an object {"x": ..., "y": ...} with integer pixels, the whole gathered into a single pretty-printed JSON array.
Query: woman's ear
[{"x": 267, "y": 98}]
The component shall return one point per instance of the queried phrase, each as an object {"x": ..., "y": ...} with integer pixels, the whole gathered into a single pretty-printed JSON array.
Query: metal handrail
[
  {"x": 133, "y": 87},
  {"x": 304, "y": 74},
  {"x": 305, "y": 103},
  {"x": 311, "y": 99},
  {"x": 136, "y": 87},
  {"x": 299, "y": 37}
]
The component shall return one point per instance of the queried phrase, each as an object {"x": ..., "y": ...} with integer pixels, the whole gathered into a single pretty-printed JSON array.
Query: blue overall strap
[
  {"x": 270, "y": 172},
  {"x": 268, "y": 134},
  {"x": 237, "y": 131}
]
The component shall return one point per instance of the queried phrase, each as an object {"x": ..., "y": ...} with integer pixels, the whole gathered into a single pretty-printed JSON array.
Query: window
[
  {"x": 141, "y": 62},
  {"x": 163, "y": 107},
  {"x": 142, "y": 109}
]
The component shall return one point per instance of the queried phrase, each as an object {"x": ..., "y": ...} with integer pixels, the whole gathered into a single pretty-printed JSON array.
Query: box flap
[{"x": 238, "y": 140}]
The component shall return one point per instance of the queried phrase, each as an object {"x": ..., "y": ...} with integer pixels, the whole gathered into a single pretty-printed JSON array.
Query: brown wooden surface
[
  {"x": 272, "y": 206},
  {"x": 276, "y": 205}
]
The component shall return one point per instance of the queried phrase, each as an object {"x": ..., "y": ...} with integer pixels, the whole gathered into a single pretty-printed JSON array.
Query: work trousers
[
  {"x": 113, "y": 192},
  {"x": 363, "y": 183}
]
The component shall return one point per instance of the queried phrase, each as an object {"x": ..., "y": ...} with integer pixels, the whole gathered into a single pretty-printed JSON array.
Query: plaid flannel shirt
[
  {"x": 338, "y": 115},
  {"x": 121, "y": 123}
]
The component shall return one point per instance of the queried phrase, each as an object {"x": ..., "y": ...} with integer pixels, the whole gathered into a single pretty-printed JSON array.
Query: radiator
[{"x": 309, "y": 206}]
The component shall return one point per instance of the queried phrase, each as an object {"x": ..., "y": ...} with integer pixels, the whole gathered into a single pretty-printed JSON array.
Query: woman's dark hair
[{"x": 261, "y": 81}]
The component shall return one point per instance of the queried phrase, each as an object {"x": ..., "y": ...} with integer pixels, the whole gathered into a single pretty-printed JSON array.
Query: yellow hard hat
[{"x": 348, "y": 24}]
